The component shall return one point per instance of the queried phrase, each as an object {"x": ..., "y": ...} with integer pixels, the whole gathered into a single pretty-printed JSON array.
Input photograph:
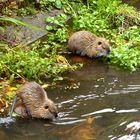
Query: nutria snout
[
  {"x": 35, "y": 102},
  {"x": 87, "y": 44}
]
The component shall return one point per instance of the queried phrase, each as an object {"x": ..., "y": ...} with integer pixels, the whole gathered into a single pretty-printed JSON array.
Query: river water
[{"x": 108, "y": 94}]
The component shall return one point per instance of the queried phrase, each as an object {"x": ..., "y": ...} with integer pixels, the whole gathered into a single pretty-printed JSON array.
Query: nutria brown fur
[
  {"x": 35, "y": 102},
  {"x": 87, "y": 44}
]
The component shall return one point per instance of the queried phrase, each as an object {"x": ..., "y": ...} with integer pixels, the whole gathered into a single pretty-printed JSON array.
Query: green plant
[
  {"x": 128, "y": 58},
  {"x": 18, "y": 22},
  {"x": 31, "y": 63},
  {"x": 24, "y": 11},
  {"x": 57, "y": 30},
  {"x": 91, "y": 22},
  {"x": 130, "y": 15},
  {"x": 126, "y": 49},
  {"x": 50, "y": 3},
  {"x": 132, "y": 35}
]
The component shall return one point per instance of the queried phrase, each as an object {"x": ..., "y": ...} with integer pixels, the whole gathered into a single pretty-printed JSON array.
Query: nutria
[
  {"x": 35, "y": 102},
  {"x": 87, "y": 44}
]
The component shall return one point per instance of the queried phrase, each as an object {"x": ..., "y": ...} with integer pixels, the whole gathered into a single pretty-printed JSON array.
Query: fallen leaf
[
  {"x": 9, "y": 88},
  {"x": 62, "y": 60},
  {"x": 45, "y": 86},
  {"x": 10, "y": 94}
]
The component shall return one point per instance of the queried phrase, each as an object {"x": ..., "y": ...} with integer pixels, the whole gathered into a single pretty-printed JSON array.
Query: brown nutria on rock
[
  {"x": 87, "y": 44},
  {"x": 36, "y": 104}
]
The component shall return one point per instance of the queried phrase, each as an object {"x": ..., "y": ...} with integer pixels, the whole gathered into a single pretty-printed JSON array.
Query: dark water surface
[{"x": 110, "y": 95}]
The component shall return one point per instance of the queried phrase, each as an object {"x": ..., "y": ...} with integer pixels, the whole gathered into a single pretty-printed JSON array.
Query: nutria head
[
  {"x": 36, "y": 102},
  {"x": 46, "y": 110},
  {"x": 100, "y": 47}
]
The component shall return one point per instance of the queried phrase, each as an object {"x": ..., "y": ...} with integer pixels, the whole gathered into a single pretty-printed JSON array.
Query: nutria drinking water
[
  {"x": 35, "y": 102},
  {"x": 87, "y": 44}
]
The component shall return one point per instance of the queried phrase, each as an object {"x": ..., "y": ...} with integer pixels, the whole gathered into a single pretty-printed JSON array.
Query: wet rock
[{"x": 24, "y": 35}]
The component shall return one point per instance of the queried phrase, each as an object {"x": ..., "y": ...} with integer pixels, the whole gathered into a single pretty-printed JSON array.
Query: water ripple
[
  {"x": 106, "y": 110},
  {"x": 125, "y": 90},
  {"x": 128, "y": 137},
  {"x": 69, "y": 121},
  {"x": 110, "y": 110},
  {"x": 127, "y": 111}
]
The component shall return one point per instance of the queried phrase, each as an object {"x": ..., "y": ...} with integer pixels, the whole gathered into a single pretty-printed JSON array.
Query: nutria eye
[
  {"x": 46, "y": 107},
  {"x": 99, "y": 43}
]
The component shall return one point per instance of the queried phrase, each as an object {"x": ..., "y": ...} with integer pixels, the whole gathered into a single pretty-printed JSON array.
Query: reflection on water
[
  {"x": 82, "y": 131},
  {"x": 110, "y": 95}
]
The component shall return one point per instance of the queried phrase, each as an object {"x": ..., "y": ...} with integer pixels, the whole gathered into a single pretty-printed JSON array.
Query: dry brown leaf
[{"x": 62, "y": 60}]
